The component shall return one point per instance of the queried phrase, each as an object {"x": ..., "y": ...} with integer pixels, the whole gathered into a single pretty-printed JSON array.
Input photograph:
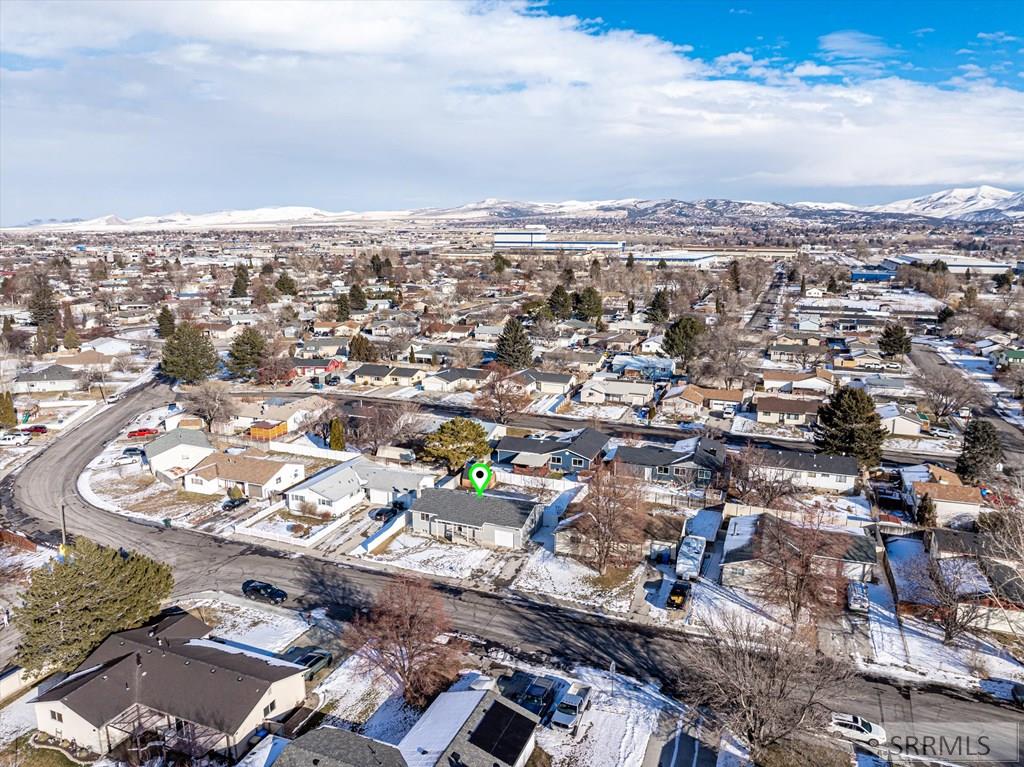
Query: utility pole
[{"x": 63, "y": 532}]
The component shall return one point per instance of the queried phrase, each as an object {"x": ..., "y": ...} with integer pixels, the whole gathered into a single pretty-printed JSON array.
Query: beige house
[
  {"x": 787, "y": 411},
  {"x": 255, "y": 477}
]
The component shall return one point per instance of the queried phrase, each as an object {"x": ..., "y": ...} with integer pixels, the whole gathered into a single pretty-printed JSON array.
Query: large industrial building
[
  {"x": 955, "y": 263},
  {"x": 536, "y": 238}
]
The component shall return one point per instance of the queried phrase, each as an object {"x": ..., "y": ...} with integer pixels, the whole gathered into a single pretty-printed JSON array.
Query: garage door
[{"x": 505, "y": 538}]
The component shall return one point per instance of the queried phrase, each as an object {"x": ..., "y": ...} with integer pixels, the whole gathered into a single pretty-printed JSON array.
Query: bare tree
[
  {"x": 754, "y": 482},
  {"x": 90, "y": 376},
  {"x": 212, "y": 401},
  {"x": 612, "y": 517},
  {"x": 386, "y": 424},
  {"x": 955, "y": 585},
  {"x": 400, "y": 638},
  {"x": 123, "y": 363},
  {"x": 762, "y": 680},
  {"x": 947, "y": 390},
  {"x": 466, "y": 356},
  {"x": 800, "y": 564},
  {"x": 502, "y": 398}
]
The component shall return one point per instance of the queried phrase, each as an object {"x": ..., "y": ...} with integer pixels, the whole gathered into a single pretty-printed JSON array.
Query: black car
[
  {"x": 539, "y": 696},
  {"x": 233, "y": 503},
  {"x": 1017, "y": 693},
  {"x": 259, "y": 591}
]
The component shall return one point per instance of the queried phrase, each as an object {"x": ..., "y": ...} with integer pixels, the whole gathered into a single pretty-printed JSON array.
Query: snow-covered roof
[{"x": 424, "y": 744}]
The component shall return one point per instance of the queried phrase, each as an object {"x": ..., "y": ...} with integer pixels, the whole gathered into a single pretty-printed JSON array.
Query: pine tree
[
  {"x": 337, "y": 438},
  {"x": 560, "y": 303},
  {"x": 240, "y": 287},
  {"x": 361, "y": 350},
  {"x": 188, "y": 355},
  {"x": 803, "y": 285},
  {"x": 71, "y": 606},
  {"x": 659, "y": 307},
  {"x": 981, "y": 454},
  {"x": 247, "y": 353},
  {"x": 514, "y": 349},
  {"x": 8, "y": 415},
  {"x": 41, "y": 303},
  {"x": 595, "y": 270},
  {"x": 68, "y": 322},
  {"x": 681, "y": 338},
  {"x": 630, "y": 261},
  {"x": 377, "y": 265},
  {"x": 356, "y": 298},
  {"x": 849, "y": 425},
  {"x": 927, "y": 516},
  {"x": 663, "y": 264},
  {"x": 456, "y": 442},
  {"x": 734, "y": 275},
  {"x": 588, "y": 304},
  {"x": 286, "y": 285},
  {"x": 833, "y": 286},
  {"x": 342, "y": 310},
  {"x": 630, "y": 307},
  {"x": 267, "y": 269},
  {"x": 894, "y": 340},
  {"x": 165, "y": 322},
  {"x": 71, "y": 339}
]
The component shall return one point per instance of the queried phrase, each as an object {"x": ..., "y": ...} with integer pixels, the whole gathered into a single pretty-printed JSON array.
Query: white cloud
[
  {"x": 355, "y": 105},
  {"x": 922, "y": 31},
  {"x": 998, "y": 37}
]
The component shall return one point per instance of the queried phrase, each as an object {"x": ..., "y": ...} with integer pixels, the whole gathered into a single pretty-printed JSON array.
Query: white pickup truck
[
  {"x": 570, "y": 708},
  {"x": 14, "y": 439}
]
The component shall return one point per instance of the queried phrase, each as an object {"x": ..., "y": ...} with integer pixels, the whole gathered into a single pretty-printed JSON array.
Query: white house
[
  {"x": 336, "y": 490},
  {"x": 55, "y": 378},
  {"x": 601, "y": 390},
  {"x": 108, "y": 346},
  {"x": 175, "y": 452},
  {"x": 897, "y": 421},
  {"x": 831, "y": 473},
  {"x": 255, "y": 477}
]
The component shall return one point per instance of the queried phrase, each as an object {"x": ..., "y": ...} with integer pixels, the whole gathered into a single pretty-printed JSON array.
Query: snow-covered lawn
[
  {"x": 252, "y": 626},
  {"x": 11, "y": 457},
  {"x": 746, "y": 423},
  {"x": 132, "y": 491},
  {"x": 918, "y": 652},
  {"x": 924, "y": 445},
  {"x": 434, "y": 557},
  {"x": 17, "y": 718},
  {"x": 357, "y": 698},
  {"x": 710, "y": 602},
  {"x": 599, "y": 412},
  {"x": 568, "y": 580}
]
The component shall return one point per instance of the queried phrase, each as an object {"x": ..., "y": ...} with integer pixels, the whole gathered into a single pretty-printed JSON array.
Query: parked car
[
  {"x": 136, "y": 451},
  {"x": 857, "y": 597},
  {"x": 1017, "y": 693},
  {"x": 15, "y": 439},
  {"x": 678, "y": 595},
  {"x": 539, "y": 696},
  {"x": 383, "y": 514},
  {"x": 314, "y": 661},
  {"x": 942, "y": 433},
  {"x": 126, "y": 460},
  {"x": 34, "y": 429},
  {"x": 332, "y": 380},
  {"x": 139, "y": 433},
  {"x": 853, "y": 727},
  {"x": 570, "y": 708},
  {"x": 259, "y": 591},
  {"x": 233, "y": 503}
]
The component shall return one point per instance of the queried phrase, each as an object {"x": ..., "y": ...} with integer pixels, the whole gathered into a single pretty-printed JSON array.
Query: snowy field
[
  {"x": 438, "y": 558},
  {"x": 917, "y": 652},
  {"x": 253, "y": 626},
  {"x": 598, "y": 412},
  {"x": 13, "y": 457},
  {"x": 746, "y": 423},
  {"x": 17, "y": 718},
  {"x": 570, "y": 581}
]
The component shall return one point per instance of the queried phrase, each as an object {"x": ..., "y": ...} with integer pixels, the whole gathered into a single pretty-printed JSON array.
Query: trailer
[{"x": 690, "y": 556}]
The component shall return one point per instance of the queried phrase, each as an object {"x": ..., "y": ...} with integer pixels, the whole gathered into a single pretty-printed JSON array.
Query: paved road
[
  {"x": 32, "y": 501},
  {"x": 929, "y": 362}
]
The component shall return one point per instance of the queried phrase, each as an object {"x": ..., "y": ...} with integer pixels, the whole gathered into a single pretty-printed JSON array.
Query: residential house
[
  {"x": 168, "y": 679},
  {"x": 614, "y": 390},
  {"x": 818, "y": 471},
  {"x": 176, "y": 452},
  {"x": 699, "y": 464},
  {"x": 490, "y": 520},
  {"x": 953, "y": 500},
  {"x": 55, "y": 378},
  {"x": 899, "y": 421},
  {"x": 803, "y": 354},
  {"x": 787, "y": 411},
  {"x": 322, "y": 348},
  {"x": 456, "y": 379},
  {"x": 570, "y": 452},
  {"x": 488, "y": 334},
  {"x": 692, "y": 401},
  {"x": 543, "y": 382},
  {"x": 388, "y": 375},
  {"x": 818, "y": 381},
  {"x": 1009, "y": 358},
  {"x": 255, "y": 477},
  {"x": 387, "y": 486},
  {"x": 334, "y": 490},
  {"x": 584, "y": 362},
  {"x": 111, "y": 347},
  {"x": 303, "y": 368},
  {"x": 643, "y": 367},
  {"x": 334, "y": 747}
]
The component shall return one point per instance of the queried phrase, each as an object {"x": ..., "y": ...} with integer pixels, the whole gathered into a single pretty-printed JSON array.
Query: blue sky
[{"x": 149, "y": 108}]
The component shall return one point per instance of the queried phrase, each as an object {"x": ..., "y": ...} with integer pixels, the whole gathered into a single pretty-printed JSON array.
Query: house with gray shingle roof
[
  {"x": 50, "y": 379},
  {"x": 492, "y": 520},
  {"x": 177, "y": 451}
]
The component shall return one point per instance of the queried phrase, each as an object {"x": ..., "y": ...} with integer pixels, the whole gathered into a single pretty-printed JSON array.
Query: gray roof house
[
  {"x": 334, "y": 490},
  {"x": 177, "y": 451},
  {"x": 490, "y": 520},
  {"x": 701, "y": 460},
  {"x": 333, "y": 747},
  {"x": 52, "y": 378},
  {"x": 166, "y": 678},
  {"x": 569, "y": 452},
  {"x": 834, "y": 473}
]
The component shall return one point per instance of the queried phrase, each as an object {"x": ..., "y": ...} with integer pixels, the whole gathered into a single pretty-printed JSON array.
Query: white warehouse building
[{"x": 536, "y": 238}]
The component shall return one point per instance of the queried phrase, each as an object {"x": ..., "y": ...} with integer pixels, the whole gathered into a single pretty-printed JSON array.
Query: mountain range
[{"x": 981, "y": 204}]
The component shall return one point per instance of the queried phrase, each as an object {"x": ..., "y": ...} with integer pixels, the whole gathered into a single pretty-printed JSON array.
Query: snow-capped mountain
[{"x": 975, "y": 204}]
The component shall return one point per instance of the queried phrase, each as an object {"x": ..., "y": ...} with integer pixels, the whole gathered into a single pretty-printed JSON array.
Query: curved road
[{"x": 32, "y": 499}]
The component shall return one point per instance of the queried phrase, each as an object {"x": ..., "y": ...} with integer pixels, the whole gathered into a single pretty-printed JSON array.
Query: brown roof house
[
  {"x": 255, "y": 477},
  {"x": 168, "y": 681}
]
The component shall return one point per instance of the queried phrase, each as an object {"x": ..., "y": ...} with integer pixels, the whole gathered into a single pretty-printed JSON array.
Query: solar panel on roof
[{"x": 502, "y": 733}]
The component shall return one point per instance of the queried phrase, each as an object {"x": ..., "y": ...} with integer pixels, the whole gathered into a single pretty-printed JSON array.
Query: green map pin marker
[{"x": 480, "y": 477}]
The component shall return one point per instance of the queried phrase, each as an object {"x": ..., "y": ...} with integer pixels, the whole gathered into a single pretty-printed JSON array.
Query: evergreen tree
[
  {"x": 803, "y": 285},
  {"x": 267, "y": 269},
  {"x": 568, "y": 276},
  {"x": 165, "y": 322},
  {"x": 361, "y": 350},
  {"x": 945, "y": 313},
  {"x": 927, "y": 516},
  {"x": 588, "y": 304},
  {"x": 659, "y": 307},
  {"x": 456, "y": 442},
  {"x": 967, "y": 275},
  {"x": 71, "y": 339},
  {"x": 342, "y": 310},
  {"x": 188, "y": 355},
  {"x": 981, "y": 452},
  {"x": 68, "y": 322},
  {"x": 499, "y": 263},
  {"x": 376, "y": 265},
  {"x": 595, "y": 270},
  {"x": 894, "y": 340},
  {"x": 630, "y": 307},
  {"x": 71, "y": 606},
  {"x": 719, "y": 303},
  {"x": 849, "y": 425},
  {"x": 560, "y": 303},
  {"x": 41, "y": 303},
  {"x": 734, "y": 275},
  {"x": 8, "y": 325},
  {"x": 247, "y": 353},
  {"x": 663, "y": 264},
  {"x": 337, "y": 438},
  {"x": 8, "y": 415},
  {"x": 286, "y": 285},
  {"x": 356, "y": 298},
  {"x": 240, "y": 287},
  {"x": 681, "y": 338},
  {"x": 630, "y": 261},
  {"x": 833, "y": 286},
  {"x": 514, "y": 349}
]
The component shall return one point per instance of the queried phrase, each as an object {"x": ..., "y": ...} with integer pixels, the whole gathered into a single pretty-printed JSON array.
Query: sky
[{"x": 136, "y": 108}]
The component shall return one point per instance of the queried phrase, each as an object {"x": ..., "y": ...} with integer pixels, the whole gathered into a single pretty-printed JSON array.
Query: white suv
[
  {"x": 853, "y": 727},
  {"x": 15, "y": 439}
]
